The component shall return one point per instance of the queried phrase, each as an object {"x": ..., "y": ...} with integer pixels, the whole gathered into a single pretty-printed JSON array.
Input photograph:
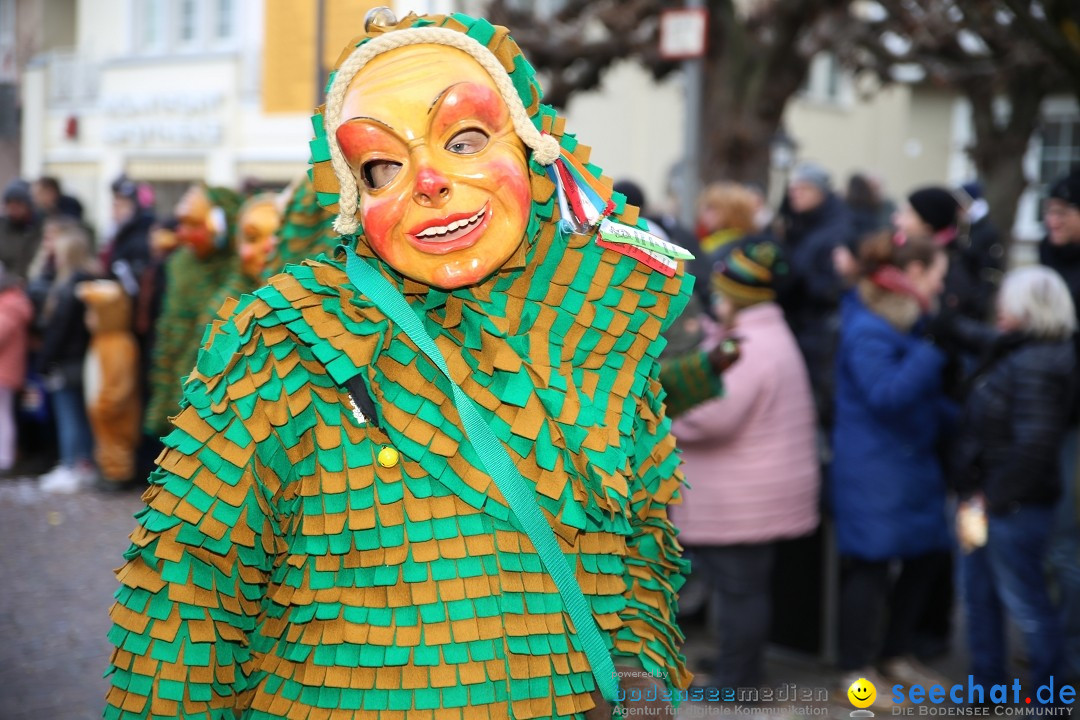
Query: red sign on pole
[{"x": 683, "y": 33}]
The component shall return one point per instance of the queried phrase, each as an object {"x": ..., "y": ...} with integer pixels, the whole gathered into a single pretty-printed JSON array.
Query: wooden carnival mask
[
  {"x": 200, "y": 225},
  {"x": 257, "y": 237},
  {"x": 444, "y": 185}
]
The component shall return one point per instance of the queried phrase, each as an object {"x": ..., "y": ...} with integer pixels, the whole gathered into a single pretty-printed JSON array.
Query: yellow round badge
[{"x": 388, "y": 457}]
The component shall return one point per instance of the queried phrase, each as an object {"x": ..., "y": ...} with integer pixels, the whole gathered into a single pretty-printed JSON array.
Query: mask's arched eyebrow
[
  {"x": 369, "y": 119},
  {"x": 439, "y": 97}
]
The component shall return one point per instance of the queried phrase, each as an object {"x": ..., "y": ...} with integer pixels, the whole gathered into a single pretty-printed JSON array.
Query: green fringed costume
[
  {"x": 298, "y": 559},
  {"x": 192, "y": 293},
  {"x": 307, "y": 230}
]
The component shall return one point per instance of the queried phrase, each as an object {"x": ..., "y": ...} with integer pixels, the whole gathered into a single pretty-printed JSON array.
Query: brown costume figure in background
[{"x": 110, "y": 380}]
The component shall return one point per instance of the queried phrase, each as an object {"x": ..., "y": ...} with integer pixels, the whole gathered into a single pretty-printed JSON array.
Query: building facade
[{"x": 174, "y": 91}]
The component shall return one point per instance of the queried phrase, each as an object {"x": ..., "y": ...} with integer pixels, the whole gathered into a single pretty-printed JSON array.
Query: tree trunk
[
  {"x": 748, "y": 82},
  {"x": 1000, "y": 145}
]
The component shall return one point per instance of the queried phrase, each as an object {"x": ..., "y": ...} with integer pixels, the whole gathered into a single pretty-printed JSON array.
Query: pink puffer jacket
[
  {"x": 16, "y": 313},
  {"x": 750, "y": 456}
]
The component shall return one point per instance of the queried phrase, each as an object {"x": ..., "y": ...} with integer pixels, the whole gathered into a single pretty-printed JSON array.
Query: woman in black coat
[{"x": 1017, "y": 413}]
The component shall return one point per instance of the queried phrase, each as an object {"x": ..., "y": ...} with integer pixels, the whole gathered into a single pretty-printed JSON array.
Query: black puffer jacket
[
  {"x": 1016, "y": 417},
  {"x": 976, "y": 266},
  {"x": 65, "y": 337}
]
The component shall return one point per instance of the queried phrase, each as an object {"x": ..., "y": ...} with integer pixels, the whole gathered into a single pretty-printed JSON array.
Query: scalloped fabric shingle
[{"x": 286, "y": 567}]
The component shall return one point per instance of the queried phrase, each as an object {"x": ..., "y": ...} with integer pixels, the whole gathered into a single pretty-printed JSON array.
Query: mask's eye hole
[
  {"x": 468, "y": 142},
  {"x": 378, "y": 173}
]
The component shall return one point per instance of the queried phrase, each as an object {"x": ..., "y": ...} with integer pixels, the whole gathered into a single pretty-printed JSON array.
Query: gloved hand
[{"x": 724, "y": 355}]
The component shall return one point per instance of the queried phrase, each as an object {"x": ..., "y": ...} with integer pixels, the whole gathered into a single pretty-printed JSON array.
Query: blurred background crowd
[
  {"x": 97, "y": 332},
  {"x": 900, "y": 384}
]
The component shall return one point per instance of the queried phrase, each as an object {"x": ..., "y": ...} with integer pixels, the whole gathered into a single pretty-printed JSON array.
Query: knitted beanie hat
[
  {"x": 1067, "y": 189},
  {"x": 937, "y": 207},
  {"x": 812, "y": 174},
  {"x": 17, "y": 191},
  {"x": 749, "y": 270}
]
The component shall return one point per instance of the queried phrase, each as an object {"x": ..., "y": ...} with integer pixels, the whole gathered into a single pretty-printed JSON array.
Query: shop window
[
  {"x": 1060, "y": 148},
  {"x": 189, "y": 21},
  {"x": 224, "y": 19}
]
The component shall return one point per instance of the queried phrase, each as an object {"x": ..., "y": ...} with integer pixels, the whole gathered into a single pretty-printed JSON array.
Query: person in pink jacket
[
  {"x": 16, "y": 314},
  {"x": 750, "y": 458}
]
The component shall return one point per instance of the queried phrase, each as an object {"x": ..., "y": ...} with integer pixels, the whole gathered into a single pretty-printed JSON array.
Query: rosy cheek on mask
[
  {"x": 379, "y": 217},
  {"x": 510, "y": 180}
]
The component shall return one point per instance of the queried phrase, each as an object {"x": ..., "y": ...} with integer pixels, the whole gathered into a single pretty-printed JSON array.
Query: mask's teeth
[{"x": 452, "y": 227}]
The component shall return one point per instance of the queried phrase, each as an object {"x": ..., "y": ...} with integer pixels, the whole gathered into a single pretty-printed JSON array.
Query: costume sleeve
[
  {"x": 654, "y": 566},
  {"x": 185, "y": 614},
  {"x": 688, "y": 381}
]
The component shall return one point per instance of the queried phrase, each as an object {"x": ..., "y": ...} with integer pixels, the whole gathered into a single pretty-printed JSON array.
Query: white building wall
[
  {"x": 635, "y": 128},
  {"x": 175, "y": 114},
  {"x": 901, "y": 135},
  {"x": 33, "y": 121}
]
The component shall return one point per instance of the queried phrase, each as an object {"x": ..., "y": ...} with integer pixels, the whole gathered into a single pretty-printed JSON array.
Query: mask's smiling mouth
[{"x": 451, "y": 233}]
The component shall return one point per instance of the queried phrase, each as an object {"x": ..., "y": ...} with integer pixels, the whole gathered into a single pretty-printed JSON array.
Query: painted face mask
[
  {"x": 259, "y": 223},
  {"x": 200, "y": 224},
  {"x": 443, "y": 180}
]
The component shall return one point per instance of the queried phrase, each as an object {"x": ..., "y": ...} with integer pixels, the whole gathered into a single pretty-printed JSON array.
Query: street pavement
[{"x": 58, "y": 553}]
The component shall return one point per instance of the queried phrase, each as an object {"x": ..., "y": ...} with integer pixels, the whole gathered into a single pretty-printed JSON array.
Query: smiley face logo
[{"x": 862, "y": 693}]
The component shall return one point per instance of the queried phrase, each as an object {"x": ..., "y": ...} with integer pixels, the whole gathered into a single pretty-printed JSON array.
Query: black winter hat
[
  {"x": 1067, "y": 188},
  {"x": 937, "y": 207},
  {"x": 122, "y": 187},
  {"x": 17, "y": 191},
  {"x": 633, "y": 192}
]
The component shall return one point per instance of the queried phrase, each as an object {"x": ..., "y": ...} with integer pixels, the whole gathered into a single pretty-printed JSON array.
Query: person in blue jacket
[{"x": 887, "y": 486}]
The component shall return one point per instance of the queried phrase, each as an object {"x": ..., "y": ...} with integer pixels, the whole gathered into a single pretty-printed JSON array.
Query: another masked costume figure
[
  {"x": 193, "y": 275},
  {"x": 321, "y": 539},
  {"x": 110, "y": 382},
  {"x": 307, "y": 229},
  {"x": 257, "y": 223}
]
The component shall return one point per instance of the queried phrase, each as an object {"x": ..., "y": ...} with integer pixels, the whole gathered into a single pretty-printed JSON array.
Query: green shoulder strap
[{"x": 519, "y": 493}]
